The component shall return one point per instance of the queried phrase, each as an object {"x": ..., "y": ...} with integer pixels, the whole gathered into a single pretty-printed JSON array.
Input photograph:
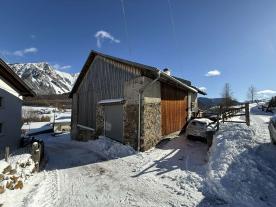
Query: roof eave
[
  {"x": 11, "y": 77},
  {"x": 151, "y": 70},
  {"x": 179, "y": 82}
]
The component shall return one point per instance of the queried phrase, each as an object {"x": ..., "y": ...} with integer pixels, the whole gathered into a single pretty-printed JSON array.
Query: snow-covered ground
[
  {"x": 238, "y": 170},
  {"x": 47, "y": 111},
  {"x": 53, "y": 113}
]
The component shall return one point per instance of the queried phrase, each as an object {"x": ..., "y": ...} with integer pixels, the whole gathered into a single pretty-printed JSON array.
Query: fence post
[
  {"x": 217, "y": 122},
  {"x": 221, "y": 112},
  {"x": 247, "y": 115},
  {"x": 36, "y": 155},
  {"x": 7, "y": 153}
]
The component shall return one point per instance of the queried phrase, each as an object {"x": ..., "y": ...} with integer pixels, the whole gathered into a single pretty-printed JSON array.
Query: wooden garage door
[{"x": 174, "y": 106}]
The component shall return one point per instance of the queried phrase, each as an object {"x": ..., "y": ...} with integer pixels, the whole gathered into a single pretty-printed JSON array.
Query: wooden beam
[{"x": 247, "y": 115}]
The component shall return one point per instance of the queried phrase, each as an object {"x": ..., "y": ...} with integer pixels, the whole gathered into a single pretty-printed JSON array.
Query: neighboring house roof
[
  {"x": 13, "y": 79},
  {"x": 146, "y": 70}
]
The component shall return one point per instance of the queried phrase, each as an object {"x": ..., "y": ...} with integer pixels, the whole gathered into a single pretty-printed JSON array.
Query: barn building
[
  {"x": 132, "y": 103},
  {"x": 12, "y": 91}
]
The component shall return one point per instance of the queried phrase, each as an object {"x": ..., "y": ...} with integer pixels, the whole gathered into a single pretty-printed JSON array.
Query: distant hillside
[
  {"x": 55, "y": 100},
  {"x": 206, "y": 103}
]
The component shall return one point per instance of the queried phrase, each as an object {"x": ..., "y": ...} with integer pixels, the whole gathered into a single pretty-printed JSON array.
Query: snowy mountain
[{"x": 44, "y": 79}]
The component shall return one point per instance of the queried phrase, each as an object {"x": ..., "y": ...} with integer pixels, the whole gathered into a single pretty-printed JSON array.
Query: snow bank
[
  {"x": 237, "y": 174},
  {"x": 3, "y": 165},
  {"x": 13, "y": 177},
  {"x": 112, "y": 149},
  {"x": 23, "y": 163}
]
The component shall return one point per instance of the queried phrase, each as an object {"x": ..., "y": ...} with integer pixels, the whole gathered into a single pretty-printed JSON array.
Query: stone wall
[
  {"x": 85, "y": 135},
  {"x": 151, "y": 125}
]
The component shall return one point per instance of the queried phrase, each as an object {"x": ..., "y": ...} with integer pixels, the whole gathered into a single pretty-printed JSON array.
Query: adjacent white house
[{"x": 12, "y": 91}]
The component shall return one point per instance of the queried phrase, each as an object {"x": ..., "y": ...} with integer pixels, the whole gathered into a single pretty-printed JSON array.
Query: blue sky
[{"x": 235, "y": 40}]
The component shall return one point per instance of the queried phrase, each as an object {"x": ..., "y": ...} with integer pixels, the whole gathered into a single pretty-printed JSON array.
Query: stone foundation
[{"x": 85, "y": 135}]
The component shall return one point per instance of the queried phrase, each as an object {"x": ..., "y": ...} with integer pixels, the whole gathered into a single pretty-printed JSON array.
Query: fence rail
[
  {"x": 224, "y": 114},
  {"x": 230, "y": 112}
]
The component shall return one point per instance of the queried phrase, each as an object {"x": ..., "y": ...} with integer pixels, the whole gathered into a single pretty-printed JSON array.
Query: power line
[
  {"x": 174, "y": 33},
  {"x": 125, "y": 26},
  {"x": 172, "y": 21}
]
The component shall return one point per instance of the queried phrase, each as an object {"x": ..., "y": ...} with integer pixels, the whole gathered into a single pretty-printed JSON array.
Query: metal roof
[{"x": 148, "y": 71}]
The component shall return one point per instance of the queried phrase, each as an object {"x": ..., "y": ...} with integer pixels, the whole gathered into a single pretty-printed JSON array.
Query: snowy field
[
  {"x": 51, "y": 112},
  {"x": 238, "y": 170},
  {"x": 47, "y": 111}
]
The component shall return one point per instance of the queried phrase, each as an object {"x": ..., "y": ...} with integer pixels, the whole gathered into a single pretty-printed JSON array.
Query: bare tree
[
  {"x": 227, "y": 96},
  {"x": 251, "y": 94}
]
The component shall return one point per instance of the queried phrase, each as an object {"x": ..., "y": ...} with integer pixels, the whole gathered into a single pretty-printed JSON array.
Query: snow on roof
[{"x": 107, "y": 101}]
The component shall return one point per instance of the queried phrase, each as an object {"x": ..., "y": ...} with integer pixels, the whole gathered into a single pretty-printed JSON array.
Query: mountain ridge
[{"x": 43, "y": 78}]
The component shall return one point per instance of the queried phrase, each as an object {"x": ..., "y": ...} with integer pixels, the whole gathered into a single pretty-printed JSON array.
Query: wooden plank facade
[
  {"x": 104, "y": 80},
  {"x": 174, "y": 109}
]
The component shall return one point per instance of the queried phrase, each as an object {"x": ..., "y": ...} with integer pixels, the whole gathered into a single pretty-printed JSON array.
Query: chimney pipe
[{"x": 167, "y": 71}]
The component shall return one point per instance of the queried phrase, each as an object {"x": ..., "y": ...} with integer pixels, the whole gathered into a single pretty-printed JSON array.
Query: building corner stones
[{"x": 150, "y": 113}]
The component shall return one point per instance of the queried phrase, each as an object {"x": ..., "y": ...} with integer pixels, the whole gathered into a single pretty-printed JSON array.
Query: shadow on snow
[{"x": 183, "y": 155}]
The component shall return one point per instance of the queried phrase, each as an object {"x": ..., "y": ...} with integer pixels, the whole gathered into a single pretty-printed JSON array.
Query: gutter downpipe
[{"x": 141, "y": 91}]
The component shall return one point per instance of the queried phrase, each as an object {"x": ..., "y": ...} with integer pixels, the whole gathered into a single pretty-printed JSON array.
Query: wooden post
[
  {"x": 36, "y": 155},
  {"x": 247, "y": 115},
  {"x": 221, "y": 111},
  {"x": 218, "y": 122},
  {"x": 7, "y": 153}
]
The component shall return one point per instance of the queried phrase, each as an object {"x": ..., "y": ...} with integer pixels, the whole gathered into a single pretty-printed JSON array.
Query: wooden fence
[
  {"x": 224, "y": 114},
  {"x": 234, "y": 111}
]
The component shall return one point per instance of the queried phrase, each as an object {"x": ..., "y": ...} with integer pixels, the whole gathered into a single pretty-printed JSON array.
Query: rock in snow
[{"x": 44, "y": 79}]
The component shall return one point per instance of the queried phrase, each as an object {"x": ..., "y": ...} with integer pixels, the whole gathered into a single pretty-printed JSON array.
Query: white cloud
[
  {"x": 266, "y": 93},
  {"x": 21, "y": 53},
  {"x": 31, "y": 50},
  {"x": 204, "y": 89},
  {"x": 62, "y": 67},
  {"x": 4, "y": 52},
  {"x": 102, "y": 35},
  {"x": 269, "y": 92},
  {"x": 212, "y": 73}
]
